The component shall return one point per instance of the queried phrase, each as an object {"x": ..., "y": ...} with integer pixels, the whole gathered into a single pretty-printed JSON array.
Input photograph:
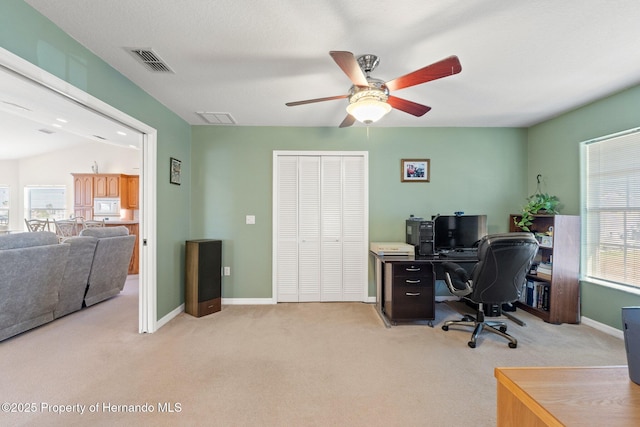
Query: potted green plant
[{"x": 539, "y": 203}]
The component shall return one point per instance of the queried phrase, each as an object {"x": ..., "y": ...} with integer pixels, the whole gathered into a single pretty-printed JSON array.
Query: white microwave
[{"x": 106, "y": 207}]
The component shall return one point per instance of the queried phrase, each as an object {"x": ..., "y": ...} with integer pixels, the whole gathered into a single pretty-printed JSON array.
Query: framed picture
[
  {"x": 174, "y": 171},
  {"x": 415, "y": 170}
]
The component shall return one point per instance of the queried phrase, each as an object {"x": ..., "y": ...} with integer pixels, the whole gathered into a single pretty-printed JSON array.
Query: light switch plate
[{"x": 251, "y": 219}]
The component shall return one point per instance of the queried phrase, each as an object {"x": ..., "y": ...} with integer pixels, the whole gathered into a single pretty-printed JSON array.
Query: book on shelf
[
  {"x": 541, "y": 270},
  {"x": 544, "y": 268},
  {"x": 536, "y": 295},
  {"x": 543, "y": 276}
]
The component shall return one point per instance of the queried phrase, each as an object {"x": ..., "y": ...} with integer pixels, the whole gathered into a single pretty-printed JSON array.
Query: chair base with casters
[
  {"x": 497, "y": 278},
  {"x": 479, "y": 324}
]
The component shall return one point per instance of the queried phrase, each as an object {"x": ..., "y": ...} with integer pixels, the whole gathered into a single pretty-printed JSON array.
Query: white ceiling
[
  {"x": 522, "y": 61},
  {"x": 36, "y": 120}
]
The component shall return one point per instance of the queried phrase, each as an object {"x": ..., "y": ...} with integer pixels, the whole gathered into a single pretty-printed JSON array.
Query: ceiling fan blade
[
  {"x": 410, "y": 107},
  {"x": 348, "y": 121},
  {"x": 348, "y": 63},
  {"x": 447, "y": 67},
  {"x": 311, "y": 101}
]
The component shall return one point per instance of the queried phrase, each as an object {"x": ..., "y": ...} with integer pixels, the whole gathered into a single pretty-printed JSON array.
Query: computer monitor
[{"x": 458, "y": 231}]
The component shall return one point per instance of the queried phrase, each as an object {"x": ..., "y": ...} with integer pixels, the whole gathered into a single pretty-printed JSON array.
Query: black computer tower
[
  {"x": 631, "y": 329},
  {"x": 420, "y": 235}
]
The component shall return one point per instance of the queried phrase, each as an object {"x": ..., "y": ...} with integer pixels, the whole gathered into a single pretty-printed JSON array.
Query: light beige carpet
[{"x": 313, "y": 364}]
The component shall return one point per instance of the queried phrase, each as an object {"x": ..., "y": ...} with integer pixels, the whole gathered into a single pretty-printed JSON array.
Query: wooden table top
[{"x": 576, "y": 396}]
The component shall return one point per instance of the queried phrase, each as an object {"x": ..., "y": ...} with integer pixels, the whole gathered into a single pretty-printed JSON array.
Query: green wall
[
  {"x": 475, "y": 170},
  {"x": 27, "y": 34},
  {"x": 227, "y": 170},
  {"x": 554, "y": 152}
]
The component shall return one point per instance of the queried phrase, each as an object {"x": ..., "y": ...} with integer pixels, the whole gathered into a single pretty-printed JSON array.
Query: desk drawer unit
[{"x": 409, "y": 293}]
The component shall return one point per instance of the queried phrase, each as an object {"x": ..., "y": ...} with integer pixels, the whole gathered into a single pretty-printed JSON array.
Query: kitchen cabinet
[
  {"x": 87, "y": 187},
  {"x": 106, "y": 186},
  {"x": 129, "y": 200},
  {"x": 83, "y": 195}
]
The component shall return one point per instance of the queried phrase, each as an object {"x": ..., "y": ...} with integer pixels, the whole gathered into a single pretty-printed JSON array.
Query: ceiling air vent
[
  {"x": 217, "y": 118},
  {"x": 150, "y": 60}
]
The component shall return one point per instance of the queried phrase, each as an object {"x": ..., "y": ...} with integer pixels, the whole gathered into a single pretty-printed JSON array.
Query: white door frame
[
  {"x": 274, "y": 205},
  {"x": 147, "y": 310}
]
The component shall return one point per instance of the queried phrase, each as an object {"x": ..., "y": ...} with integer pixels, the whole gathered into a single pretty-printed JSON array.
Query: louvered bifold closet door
[
  {"x": 354, "y": 226},
  {"x": 321, "y": 228},
  {"x": 331, "y": 270},
  {"x": 287, "y": 229},
  {"x": 309, "y": 228}
]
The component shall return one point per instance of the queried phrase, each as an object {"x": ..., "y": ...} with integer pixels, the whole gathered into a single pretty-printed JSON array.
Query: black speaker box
[
  {"x": 203, "y": 281},
  {"x": 631, "y": 329}
]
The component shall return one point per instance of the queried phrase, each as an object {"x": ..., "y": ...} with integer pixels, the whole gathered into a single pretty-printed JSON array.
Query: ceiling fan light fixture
[
  {"x": 368, "y": 111},
  {"x": 368, "y": 106}
]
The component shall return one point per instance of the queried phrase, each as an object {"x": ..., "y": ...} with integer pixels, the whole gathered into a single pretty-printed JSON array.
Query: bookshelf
[{"x": 560, "y": 302}]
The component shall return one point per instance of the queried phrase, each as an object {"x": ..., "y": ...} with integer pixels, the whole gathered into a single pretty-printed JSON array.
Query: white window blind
[
  {"x": 4, "y": 205},
  {"x": 611, "y": 207},
  {"x": 45, "y": 202}
]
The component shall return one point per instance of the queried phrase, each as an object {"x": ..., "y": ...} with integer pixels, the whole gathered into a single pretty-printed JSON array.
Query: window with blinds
[
  {"x": 45, "y": 202},
  {"x": 4, "y": 205},
  {"x": 611, "y": 208}
]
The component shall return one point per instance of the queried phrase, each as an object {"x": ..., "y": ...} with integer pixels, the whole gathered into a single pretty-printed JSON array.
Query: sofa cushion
[
  {"x": 110, "y": 265},
  {"x": 26, "y": 240},
  {"x": 31, "y": 278},
  {"x": 76, "y": 274},
  {"x": 101, "y": 232}
]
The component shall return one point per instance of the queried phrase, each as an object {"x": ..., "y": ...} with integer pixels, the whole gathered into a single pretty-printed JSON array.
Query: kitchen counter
[{"x": 121, "y": 222}]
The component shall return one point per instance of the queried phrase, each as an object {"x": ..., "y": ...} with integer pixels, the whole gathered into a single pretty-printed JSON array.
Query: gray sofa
[
  {"x": 76, "y": 274},
  {"x": 42, "y": 280},
  {"x": 31, "y": 270},
  {"x": 110, "y": 262}
]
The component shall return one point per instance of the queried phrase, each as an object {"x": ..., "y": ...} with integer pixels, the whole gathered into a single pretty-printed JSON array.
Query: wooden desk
[{"x": 583, "y": 396}]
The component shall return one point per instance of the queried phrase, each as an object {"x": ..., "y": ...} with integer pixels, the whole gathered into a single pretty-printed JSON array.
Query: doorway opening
[{"x": 76, "y": 101}]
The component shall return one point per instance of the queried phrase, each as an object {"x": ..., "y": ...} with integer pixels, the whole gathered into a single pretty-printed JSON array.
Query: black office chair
[{"x": 497, "y": 278}]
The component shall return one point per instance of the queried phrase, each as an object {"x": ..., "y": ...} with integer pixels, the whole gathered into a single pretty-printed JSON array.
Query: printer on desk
[{"x": 392, "y": 248}]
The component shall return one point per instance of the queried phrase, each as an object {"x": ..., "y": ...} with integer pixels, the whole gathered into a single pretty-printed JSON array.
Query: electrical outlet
[{"x": 227, "y": 271}]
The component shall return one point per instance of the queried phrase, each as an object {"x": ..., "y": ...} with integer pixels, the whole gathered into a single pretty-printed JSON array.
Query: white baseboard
[
  {"x": 167, "y": 318},
  {"x": 247, "y": 301},
  {"x": 266, "y": 301},
  {"x": 602, "y": 327}
]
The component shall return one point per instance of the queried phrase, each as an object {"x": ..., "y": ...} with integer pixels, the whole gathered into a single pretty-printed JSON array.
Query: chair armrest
[{"x": 457, "y": 279}]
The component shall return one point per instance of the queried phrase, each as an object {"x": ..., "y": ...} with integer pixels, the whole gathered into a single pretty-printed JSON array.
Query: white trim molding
[
  {"x": 602, "y": 327},
  {"x": 248, "y": 301}
]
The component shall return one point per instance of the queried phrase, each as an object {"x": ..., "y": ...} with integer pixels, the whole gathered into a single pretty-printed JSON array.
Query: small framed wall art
[
  {"x": 174, "y": 171},
  {"x": 415, "y": 170}
]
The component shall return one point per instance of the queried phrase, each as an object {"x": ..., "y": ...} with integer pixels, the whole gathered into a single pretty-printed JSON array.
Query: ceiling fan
[{"x": 369, "y": 98}]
